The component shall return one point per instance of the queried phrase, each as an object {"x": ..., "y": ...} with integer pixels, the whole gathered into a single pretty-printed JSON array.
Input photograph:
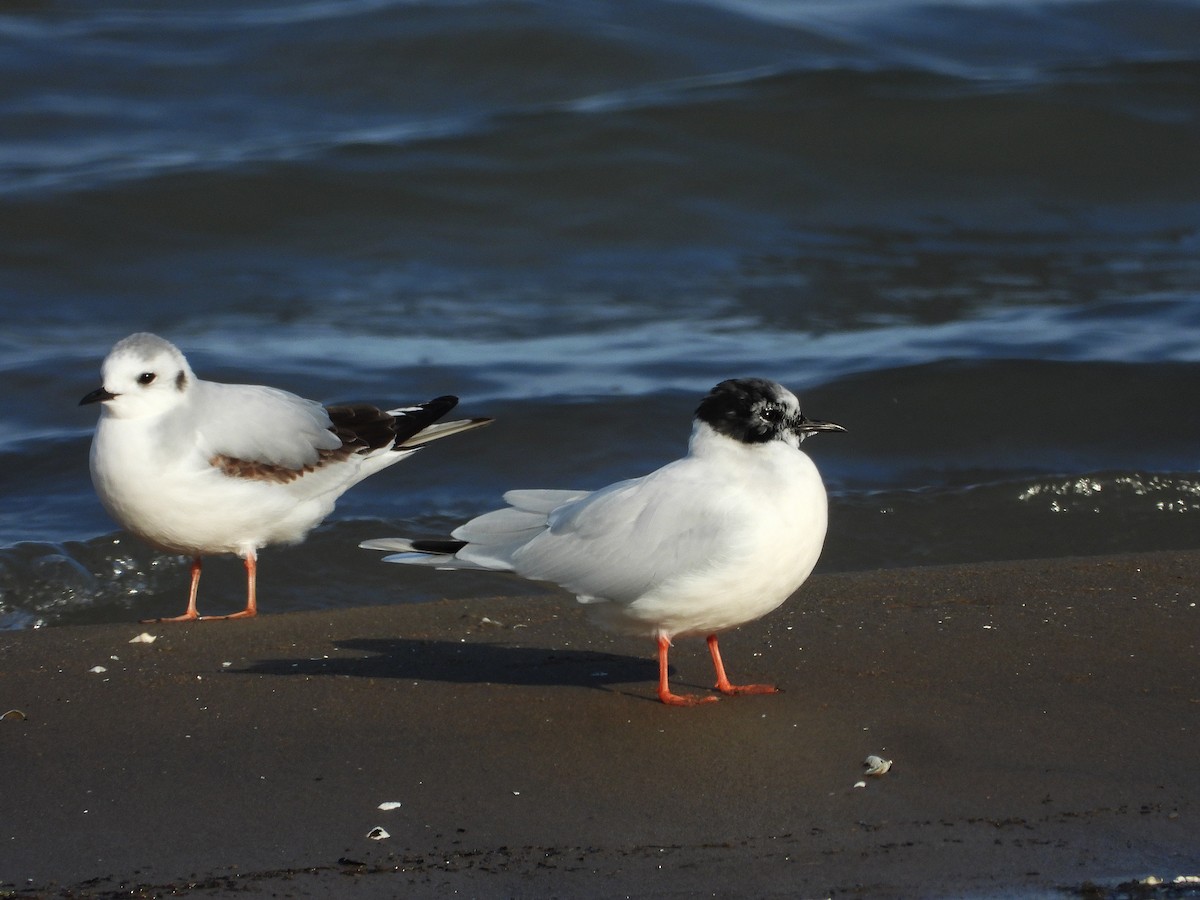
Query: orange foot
[
  {"x": 735, "y": 689},
  {"x": 189, "y": 616},
  {"x": 244, "y": 614},
  {"x": 685, "y": 699},
  {"x": 723, "y": 684}
]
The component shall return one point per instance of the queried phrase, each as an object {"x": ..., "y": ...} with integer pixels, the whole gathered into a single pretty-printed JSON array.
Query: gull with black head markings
[
  {"x": 200, "y": 467},
  {"x": 709, "y": 542}
]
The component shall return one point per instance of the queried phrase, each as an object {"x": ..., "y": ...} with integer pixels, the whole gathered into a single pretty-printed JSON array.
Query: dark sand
[{"x": 1044, "y": 719}]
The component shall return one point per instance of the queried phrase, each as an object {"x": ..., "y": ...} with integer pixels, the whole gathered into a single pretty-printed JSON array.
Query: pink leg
[
  {"x": 191, "y": 614},
  {"x": 251, "y": 609},
  {"x": 723, "y": 684},
  {"x": 664, "y": 689}
]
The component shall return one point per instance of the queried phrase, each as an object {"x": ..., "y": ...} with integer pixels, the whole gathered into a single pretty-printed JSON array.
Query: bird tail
[
  {"x": 439, "y": 430},
  {"x": 436, "y": 553},
  {"x": 490, "y": 541},
  {"x": 365, "y": 429}
]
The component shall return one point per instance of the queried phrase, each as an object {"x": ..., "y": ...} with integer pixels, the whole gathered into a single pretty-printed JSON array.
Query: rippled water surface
[{"x": 968, "y": 231}]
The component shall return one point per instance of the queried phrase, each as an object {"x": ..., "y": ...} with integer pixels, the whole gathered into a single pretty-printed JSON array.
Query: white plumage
[
  {"x": 706, "y": 543},
  {"x": 199, "y": 467}
]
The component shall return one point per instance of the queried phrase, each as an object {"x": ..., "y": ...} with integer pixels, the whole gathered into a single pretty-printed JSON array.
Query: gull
[
  {"x": 711, "y": 541},
  {"x": 199, "y": 467}
]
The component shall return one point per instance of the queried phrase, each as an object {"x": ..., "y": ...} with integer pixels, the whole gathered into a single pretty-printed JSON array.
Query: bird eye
[
  {"x": 772, "y": 415},
  {"x": 146, "y": 378}
]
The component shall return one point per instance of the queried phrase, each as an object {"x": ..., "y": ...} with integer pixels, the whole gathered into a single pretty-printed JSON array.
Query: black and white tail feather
[{"x": 487, "y": 542}]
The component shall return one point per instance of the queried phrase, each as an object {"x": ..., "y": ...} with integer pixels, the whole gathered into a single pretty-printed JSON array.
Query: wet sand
[{"x": 1043, "y": 719}]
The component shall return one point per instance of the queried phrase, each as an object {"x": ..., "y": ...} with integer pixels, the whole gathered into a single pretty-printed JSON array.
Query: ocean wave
[
  {"x": 77, "y": 123},
  {"x": 1096, "y": 494},
  {"x": 966, "y": 231},
  {"x": 43, "y": 584}
]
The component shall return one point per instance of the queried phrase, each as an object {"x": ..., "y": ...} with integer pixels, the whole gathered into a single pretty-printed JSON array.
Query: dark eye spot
[
  {"x": 146, "y": 378},
  {"x": 772, "y": 415}
]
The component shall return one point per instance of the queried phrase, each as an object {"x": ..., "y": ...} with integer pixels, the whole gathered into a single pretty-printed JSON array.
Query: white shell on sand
[{"x": 876, "y": 765}]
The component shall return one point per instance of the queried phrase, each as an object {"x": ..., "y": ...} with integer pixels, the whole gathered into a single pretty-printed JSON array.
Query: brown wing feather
[
  {"x": 260, "y": 471},
  {"x": 362, "y": 427}
]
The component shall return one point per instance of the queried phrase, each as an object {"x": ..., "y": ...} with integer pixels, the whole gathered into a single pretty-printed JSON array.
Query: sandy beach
[{"x": 1043, "y": 719}]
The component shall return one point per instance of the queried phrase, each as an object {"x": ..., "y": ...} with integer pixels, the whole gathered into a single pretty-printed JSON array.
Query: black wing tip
[
  {"x": 440, "y": 547},
  {"x": 441, "y": 405},
  {"x": 365, "y": 427}
]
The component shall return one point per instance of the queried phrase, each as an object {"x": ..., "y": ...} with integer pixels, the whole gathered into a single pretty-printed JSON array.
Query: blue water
[{"x": 968, "y": 231}]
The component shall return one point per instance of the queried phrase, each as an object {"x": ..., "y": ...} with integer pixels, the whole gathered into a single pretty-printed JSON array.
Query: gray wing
[
  {"x": 616, "y": 544},
  {"x": 259, "y": 424},
  {"x": 620, "y": 542}
]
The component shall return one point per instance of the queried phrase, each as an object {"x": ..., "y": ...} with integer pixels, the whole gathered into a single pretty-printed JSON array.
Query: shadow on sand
[{"x": 465, "y": 663}]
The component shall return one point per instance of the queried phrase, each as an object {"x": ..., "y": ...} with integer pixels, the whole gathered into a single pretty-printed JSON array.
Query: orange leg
[
  {"x": 664, "y": 689},
  {"x": 723, "y": 684},
  {"x": 251, "y": 609},
  {"x": 191, "y": 615}
]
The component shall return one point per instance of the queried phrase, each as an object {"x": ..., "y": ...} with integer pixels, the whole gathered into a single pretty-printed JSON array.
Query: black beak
[
  {"x": 99, "y": 395},
  {"x": 812, "y": 426}
]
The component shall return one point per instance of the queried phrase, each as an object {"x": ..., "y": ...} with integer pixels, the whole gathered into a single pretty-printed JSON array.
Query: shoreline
[{"x": 1041, "y": 715}]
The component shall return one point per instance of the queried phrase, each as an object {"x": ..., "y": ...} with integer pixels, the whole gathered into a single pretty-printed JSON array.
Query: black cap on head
[
  {"x": 757, "y": 411},
  {"x": 751, "y": 410}
]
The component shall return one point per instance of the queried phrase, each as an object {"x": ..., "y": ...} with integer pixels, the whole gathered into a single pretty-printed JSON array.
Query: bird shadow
[{"x": 465, "y": 663}]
